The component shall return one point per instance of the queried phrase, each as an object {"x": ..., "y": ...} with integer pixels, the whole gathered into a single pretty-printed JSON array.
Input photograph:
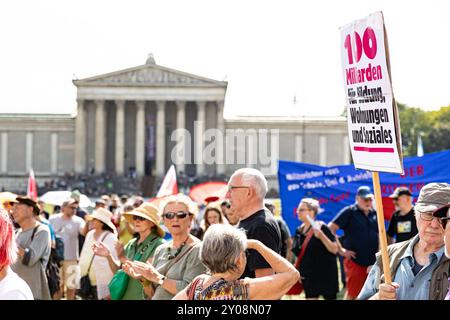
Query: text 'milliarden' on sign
[{"x": 373, "y": 126}]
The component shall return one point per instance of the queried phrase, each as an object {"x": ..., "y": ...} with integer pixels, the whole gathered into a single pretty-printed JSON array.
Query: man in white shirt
[{"x": 68, "y": 226}]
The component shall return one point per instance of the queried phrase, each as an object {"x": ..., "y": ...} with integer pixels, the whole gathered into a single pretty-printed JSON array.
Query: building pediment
[{"x": 150, "y": 75}]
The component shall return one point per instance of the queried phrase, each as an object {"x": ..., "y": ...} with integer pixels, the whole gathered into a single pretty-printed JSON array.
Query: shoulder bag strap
[
  {"x": 34, "y": 232},
  {"x": 304, "y": 245},
  {"x": 93, "y": 256},
  {"x": 137, "y": 254},
  {"x": 194, "y": 286},
  {"x": 170, "y": 265}
]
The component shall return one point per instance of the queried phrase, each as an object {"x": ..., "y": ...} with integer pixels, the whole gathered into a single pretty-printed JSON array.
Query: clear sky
[{"x": 268, "y": 51}]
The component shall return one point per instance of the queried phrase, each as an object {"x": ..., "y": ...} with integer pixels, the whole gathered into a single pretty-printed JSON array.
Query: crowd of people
[{"x": 235, "y": 248}]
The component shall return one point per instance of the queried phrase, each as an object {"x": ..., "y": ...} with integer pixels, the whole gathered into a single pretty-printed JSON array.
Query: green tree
[{"x": 433, "y": 126}]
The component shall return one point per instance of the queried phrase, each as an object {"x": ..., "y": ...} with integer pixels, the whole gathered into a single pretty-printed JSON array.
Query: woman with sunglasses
[
  {"x": 145, "y": 220},
  {"x": 175, "y": 263}
]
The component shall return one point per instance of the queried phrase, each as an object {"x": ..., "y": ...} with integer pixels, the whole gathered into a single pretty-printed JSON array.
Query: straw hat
[
  {"x": 104, "y": 216},
  {"x": 147, "y": 211}
]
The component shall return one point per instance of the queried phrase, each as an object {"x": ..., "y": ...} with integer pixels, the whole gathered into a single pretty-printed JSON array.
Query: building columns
[
  {"x": 160, "y": 138},
  {"x": 4, "y": 153},
  {"x": 120, "y": 136},
  {"x": 199, "y": 144},
  {"x": 140, "y": 138},
  {"x": 29, "y": 152},
  {"x": 54, "y": 153},
  {"x": 323, "y": 150},
  {"x": 346, "y": 150},
  {"x": 100, "y": 137},
  {"x": 80, "y": 138},
  {"x": 181, "y": 139},
  {"x": 220, "y": 164}
]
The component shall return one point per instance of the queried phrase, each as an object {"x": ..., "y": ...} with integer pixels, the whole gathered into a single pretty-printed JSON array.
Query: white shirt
[
  {"x": 12, "y": 287},
  {"x": 100, "y": 273}
]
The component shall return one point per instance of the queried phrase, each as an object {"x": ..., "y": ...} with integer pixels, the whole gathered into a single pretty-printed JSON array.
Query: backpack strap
[{"x": 34, "y": 232}]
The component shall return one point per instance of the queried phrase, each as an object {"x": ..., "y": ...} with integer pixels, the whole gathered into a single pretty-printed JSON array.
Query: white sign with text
[{"x": 373, "y": 126}]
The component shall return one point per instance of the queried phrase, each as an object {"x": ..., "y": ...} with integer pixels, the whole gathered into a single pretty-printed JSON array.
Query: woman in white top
[
  {"x": 12, "y": 287},
  {"x": 100, "y": 272}
]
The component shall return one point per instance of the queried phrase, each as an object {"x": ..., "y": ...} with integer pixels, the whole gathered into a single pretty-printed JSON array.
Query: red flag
[
  {"x": 32, "y": 187},
  {"x": 169, "y": 185}
]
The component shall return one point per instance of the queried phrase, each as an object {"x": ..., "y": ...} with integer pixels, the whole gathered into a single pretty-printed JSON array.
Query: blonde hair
[{"x": 312, "y": 204}]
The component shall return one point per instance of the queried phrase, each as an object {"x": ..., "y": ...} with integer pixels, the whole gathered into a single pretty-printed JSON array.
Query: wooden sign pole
[{"x": 381, "y": 228}]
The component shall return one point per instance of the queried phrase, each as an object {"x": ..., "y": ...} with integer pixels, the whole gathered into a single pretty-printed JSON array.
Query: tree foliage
[{"x": 433, "y": 126}]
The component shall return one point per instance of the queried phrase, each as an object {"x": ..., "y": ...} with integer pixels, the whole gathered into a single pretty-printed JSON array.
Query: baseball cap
[
  {"x": 400, "y": 191},
  {"x": 364, "y": 192},
  {"x": 433, "y": 197},
  {"x": 29, "y": 202}
]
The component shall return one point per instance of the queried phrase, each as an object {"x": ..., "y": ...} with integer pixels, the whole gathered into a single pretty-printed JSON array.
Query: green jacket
[{"x": 141, "y": 252}]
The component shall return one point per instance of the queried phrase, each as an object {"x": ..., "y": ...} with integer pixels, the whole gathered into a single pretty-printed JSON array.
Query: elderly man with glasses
[
  {"x": 418, "y": 266},
  {"x": 247, "y": 188}
]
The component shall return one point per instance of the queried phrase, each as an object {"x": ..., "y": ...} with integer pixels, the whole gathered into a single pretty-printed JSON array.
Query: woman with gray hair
[
  {"x": 316, "y": 248},
  {"x": 176, "y": 262},
  {"x": 223, "y": 253}
]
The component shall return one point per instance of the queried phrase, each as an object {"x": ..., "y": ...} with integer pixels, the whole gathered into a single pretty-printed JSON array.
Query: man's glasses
[
  {"x": 179, "y": 215},
  {"x": 138, "y": 218},
  {"x": 231, "y": 188},
  {"x": 427, "y": 216}
]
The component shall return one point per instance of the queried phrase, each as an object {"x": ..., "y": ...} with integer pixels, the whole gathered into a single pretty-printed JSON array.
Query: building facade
[{"x": 141, "y": 120}]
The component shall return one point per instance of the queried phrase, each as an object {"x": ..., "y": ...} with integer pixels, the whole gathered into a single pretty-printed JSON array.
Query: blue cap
[{"x": 364, "y": 192}]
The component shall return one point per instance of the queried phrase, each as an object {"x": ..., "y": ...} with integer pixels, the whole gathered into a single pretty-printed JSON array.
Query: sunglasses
[
  {"x": 179, "y": 215},
  {"x": 444, "y": 221},
  {"x": 138, "y": 218}
]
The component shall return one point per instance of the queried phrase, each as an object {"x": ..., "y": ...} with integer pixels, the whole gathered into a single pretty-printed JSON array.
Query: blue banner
[{"x": 335, "y": 187}]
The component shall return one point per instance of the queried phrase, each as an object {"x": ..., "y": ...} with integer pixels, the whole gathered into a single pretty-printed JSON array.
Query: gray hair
[
  {"x": 222, "y": 245},
  {"x": 312, "y": 204},
  {"x": 191, "y": 206},
  {"x": 253, "y": 178}
]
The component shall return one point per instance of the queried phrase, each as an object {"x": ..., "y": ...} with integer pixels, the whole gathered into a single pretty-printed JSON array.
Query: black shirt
[
  {"x": 361, "y": 233},
  {"x": 285, "y": 235},
  {"x": 263, "y": 227},
  {"x": 318, "y": 267},
  {"x": 402, "y": 227}
]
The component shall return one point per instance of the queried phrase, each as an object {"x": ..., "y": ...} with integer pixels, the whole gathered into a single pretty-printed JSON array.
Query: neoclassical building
[
  {"x": 143, "y": 119},
  {"x": 126, "y": 118}
]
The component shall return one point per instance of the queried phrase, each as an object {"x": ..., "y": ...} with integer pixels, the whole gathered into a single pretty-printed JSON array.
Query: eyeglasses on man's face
[
  {"x": 179, "y": 215},
  {"x": 427, "y": 216},
  {"x": 231, "y": 188}
]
